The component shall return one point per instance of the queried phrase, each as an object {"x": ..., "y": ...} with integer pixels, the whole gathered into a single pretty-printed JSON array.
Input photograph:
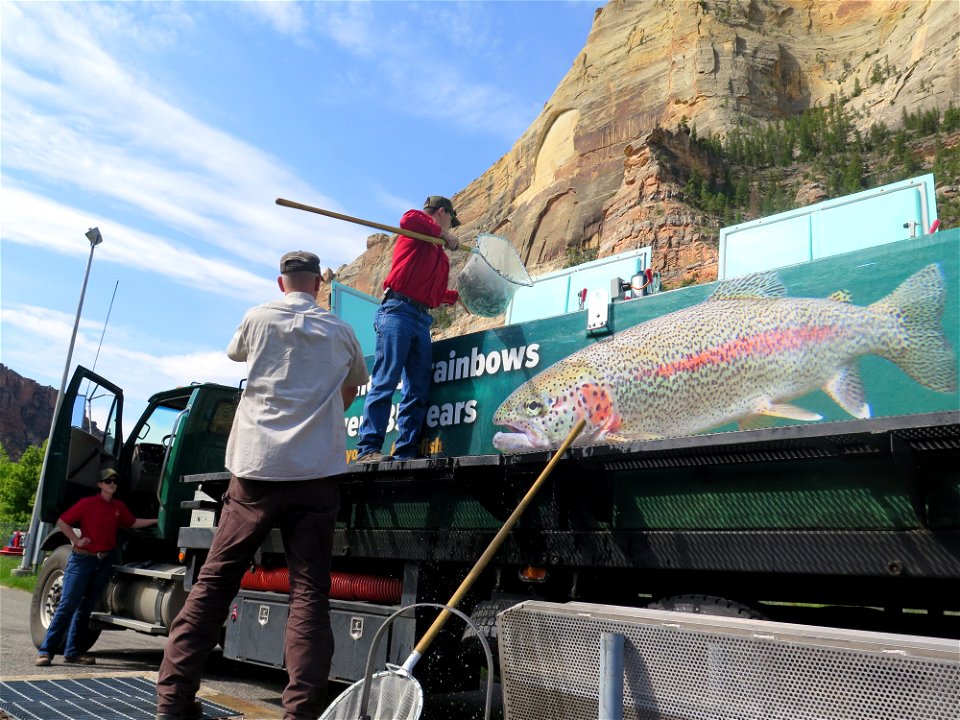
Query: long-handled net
[
  {"x": 489, "y": 278},
  {"x": 395, "y": 693}
]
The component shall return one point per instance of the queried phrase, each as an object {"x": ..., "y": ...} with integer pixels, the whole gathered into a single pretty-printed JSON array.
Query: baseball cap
[
  {"x": 300, "y": 261},
  {"x": 108, "y": 474},
  {"x": 438, "y": 201}
]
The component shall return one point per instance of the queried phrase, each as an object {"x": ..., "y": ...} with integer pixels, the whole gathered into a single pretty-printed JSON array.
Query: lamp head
[{"x": 94, "y": 236}]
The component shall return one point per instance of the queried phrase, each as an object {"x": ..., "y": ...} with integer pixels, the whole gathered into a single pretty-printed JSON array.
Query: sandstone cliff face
[
  {"x": 594, "y": 169},
  {"x": 26, "y": 411}
]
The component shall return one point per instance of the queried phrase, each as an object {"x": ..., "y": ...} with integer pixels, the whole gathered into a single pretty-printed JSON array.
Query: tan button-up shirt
[{"x": 289, "y": 424}]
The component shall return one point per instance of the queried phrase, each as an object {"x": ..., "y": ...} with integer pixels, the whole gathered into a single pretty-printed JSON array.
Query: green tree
[
  {"x": 951, "y": 118},
  {"x": 18, "y": 483},
  {"x": 692, "y": 189}
]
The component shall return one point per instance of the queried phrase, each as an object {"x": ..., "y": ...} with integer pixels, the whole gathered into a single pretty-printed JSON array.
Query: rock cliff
[
  {"x": 601, "y": 168},
  {"x": 26, "y": 411}
]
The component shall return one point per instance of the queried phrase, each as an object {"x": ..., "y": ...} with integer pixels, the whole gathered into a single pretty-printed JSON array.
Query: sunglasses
[{"x": 110, "y": 481}]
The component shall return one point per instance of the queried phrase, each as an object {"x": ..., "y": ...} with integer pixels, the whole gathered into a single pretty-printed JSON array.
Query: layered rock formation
[
  {"x": 26, "y": 411},
  {"x": 597, "y": 169}
]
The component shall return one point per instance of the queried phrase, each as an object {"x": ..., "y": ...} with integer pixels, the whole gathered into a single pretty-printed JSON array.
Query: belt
[
  {"x": 392, "y": 294},
  {"x": 97, "y": 555}
]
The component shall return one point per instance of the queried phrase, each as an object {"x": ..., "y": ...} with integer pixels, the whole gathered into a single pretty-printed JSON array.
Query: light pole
[{"x": 31, "y": 552}]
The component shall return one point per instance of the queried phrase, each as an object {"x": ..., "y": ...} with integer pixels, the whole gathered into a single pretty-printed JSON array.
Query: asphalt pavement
[
  {"x": 251, "y": 689},
  {"x": 124, "y": 652}
]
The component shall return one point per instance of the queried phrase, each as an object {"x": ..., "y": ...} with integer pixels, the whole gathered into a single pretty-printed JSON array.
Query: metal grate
[
  {"x": 679, "y": 666},
  {"x": 105, "y": 698}
]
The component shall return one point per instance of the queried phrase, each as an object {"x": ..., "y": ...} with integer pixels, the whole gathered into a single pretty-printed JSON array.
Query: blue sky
[{"x": 173, "y": 126}]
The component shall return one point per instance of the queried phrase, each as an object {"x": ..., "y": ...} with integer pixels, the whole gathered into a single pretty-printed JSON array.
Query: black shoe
[
  {"x": 373, "y": 457},
  {"x": 192, "y": 712},
  {"x": 80, "y": 660}
]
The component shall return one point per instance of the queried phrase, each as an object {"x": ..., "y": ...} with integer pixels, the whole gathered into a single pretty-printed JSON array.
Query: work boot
[
  {"x": 80, "y": 660},
  {"x": 191, "y": 712},
  {"x": 43, "y": 660},
  {"x": 373, "y": 457}
]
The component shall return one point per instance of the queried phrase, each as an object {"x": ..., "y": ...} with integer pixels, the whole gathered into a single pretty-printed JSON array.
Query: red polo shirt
[
  {"x": 420, "y": 269},
  {"x": 99, "y": 520}
]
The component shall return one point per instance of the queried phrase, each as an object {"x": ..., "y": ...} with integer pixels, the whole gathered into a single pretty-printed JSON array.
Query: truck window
[
  {"x": 94, "y": 435},
  {"x": 159, "y": 425},
  {"x": 95, "y": 413},
  {"x": 222, "y": 420},
  {"x": 146, "y": 462}
]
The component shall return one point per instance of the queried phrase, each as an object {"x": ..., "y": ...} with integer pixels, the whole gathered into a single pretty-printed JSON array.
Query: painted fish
[{"x": 740, "y": 355}]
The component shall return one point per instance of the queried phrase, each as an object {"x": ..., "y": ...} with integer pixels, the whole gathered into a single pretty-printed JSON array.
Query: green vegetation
[
  {"x": 18, "y": 484},
  {"x": 841, "y": 158},
  {"x": 579, "y": 255},
  {"x": 7, "y": 565},
  {"x": 18, "y": 488}
]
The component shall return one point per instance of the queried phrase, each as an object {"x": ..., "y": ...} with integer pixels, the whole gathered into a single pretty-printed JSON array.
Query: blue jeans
[
  {"x": 84, "y": 581},
  {"x": 403, "y": 351}
]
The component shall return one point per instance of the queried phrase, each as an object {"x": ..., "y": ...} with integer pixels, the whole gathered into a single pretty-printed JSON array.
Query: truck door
[{"x": 87, "y": 438}]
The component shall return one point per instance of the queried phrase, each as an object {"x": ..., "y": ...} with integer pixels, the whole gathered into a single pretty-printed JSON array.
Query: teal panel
[
  {"x": 753, "y": 249},
  {"x": 557, "y": 293},
  {"x": 871, "y": 217},
  {"x": 545, "y": 298},
  {"x": 872, "y": 221},
  {"x": 358, "y": 309},
  {"x": 473, "y": 374}
]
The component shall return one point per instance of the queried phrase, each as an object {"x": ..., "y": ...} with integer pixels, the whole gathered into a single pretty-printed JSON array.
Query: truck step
[
  {"x": 163, "y": 572},
  {"x": 138, "y": 625}
]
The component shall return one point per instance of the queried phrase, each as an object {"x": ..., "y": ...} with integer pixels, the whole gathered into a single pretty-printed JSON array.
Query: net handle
[
  {"x": 360, "y": 221},
  {"x": 491, "y": 549}
]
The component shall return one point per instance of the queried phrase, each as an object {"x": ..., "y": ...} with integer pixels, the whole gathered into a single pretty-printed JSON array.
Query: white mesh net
[
  {"x": 491, "y": 276},
  {"x": 393, "y": 696}
]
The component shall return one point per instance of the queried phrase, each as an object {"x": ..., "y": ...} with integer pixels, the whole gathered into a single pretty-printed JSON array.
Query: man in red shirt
[
  {"x": 416, "y": 284},
  {"x": 88, "y": 568}
]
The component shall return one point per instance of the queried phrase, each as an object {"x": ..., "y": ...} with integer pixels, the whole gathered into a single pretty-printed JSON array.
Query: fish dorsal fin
[
  {"x": 843, "y": 296},
  {"x": 759, "y": 285}
]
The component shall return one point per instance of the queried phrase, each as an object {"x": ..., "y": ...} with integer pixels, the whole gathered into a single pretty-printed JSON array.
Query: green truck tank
[{"x": 845, "y": 521}]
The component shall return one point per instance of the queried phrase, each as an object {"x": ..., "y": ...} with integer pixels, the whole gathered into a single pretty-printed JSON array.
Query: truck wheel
[
  {"x": 706, "y": 605},
  {"x": 484, "y": 614},
  {"x": 46, "y": 597}
]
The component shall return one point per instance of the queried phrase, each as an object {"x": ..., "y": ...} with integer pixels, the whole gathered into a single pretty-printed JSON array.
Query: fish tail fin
[{"x": 921, "y": 349}]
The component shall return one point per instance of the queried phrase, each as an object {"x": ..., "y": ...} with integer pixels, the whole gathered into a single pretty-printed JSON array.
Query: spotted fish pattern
[{"x": 739, "y": 356}]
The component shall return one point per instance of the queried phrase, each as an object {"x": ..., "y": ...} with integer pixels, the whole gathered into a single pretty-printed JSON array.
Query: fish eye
[{"x": 533, "y": 407}]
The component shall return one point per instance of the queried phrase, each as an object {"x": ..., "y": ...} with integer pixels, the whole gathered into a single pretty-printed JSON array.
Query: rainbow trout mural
[{"x": 740, "y": 356}]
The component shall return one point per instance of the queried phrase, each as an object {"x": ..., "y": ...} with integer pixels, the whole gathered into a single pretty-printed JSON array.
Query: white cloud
[
  {"x": 30, "y": 219},
  {"x": 397, "y": 204},
  {"x": 39, "y": 337},
  {"x": 42, "y": 337},
  {"x": 352, "y": 26},
  {"x": 285, "y": 18},
  {"x": 419, "y": 59},
  {"x": 129, "y": 144}
]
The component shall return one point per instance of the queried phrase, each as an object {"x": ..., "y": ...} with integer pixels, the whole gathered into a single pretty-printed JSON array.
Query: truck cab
[{"x": 181, "y": 431}]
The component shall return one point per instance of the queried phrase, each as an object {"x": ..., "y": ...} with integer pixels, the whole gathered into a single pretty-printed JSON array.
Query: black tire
[
  {"x": 706, "y": 605},
  {"x": 46, "y": 597},
  {"x": 484, "y": 614}
]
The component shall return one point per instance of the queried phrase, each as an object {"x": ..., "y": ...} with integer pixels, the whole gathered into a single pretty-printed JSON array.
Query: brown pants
[{"x": 306, "y": 512}]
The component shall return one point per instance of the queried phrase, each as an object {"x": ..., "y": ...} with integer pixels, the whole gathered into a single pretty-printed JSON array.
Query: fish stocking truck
[{"x": 784, "y": 445}]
